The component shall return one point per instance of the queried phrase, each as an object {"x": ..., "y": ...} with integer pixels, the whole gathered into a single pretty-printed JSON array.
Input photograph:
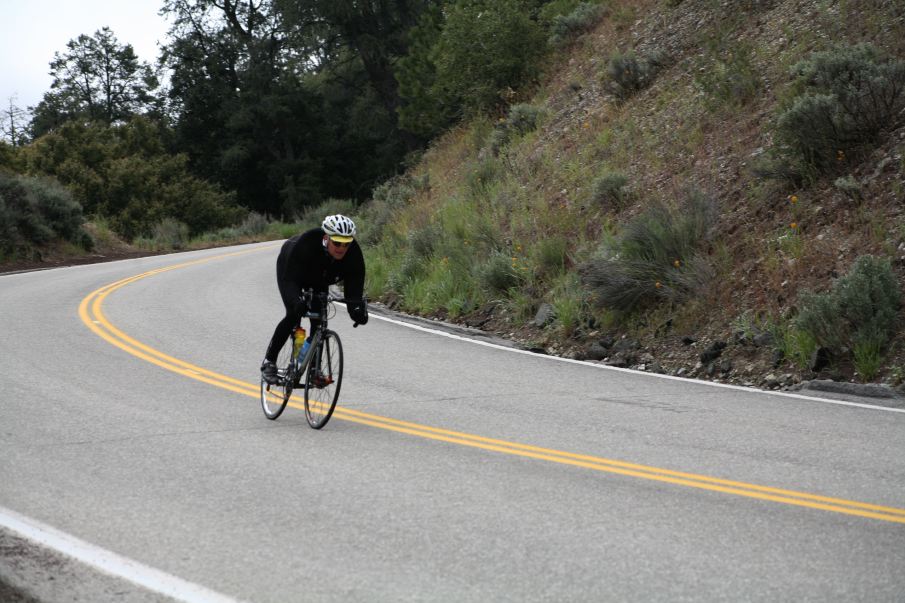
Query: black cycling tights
[{"x": 290, "y": 293}]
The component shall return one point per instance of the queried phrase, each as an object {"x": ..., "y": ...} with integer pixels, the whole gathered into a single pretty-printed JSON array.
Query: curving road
[{"x": 135, "y": 463}]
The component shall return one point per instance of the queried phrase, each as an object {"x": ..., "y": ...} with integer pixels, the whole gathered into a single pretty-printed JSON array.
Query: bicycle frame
[{"x": 327, "y": 300}]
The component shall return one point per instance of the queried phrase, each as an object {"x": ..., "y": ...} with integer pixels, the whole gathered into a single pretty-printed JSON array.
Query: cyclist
[{"x": 316, "y": 259}]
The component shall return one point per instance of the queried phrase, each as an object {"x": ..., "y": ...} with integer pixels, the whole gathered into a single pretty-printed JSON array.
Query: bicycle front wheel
[
  {"x": 323, "y": 380},
  {"x": 274, "y": 397}
]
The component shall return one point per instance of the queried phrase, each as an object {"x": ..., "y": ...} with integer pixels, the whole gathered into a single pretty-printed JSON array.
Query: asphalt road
[{"x": 130, "y": 429}]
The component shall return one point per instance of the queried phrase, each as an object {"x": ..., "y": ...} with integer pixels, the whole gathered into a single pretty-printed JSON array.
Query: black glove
[{"x": 358, "y": 312}]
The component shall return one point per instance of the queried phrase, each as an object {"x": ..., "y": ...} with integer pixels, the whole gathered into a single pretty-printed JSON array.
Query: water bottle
[{"x": 299, "y": 344}]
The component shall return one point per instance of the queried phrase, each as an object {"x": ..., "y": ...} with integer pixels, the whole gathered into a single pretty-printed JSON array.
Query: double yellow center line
[{"x": 91, "y": 313}]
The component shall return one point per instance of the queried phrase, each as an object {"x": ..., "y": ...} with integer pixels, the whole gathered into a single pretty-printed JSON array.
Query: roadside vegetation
[{"x": 698, "y": 188}]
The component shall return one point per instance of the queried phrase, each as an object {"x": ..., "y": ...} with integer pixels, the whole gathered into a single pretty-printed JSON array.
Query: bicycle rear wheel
[
  {"x": 274, "y": 397},
  {"x": 323, "y": 380}
]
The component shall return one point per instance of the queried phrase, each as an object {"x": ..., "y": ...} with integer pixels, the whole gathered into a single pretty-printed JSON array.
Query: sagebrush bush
[
  {"x": 521, "y": 119},
  {"x": 387, "y": 198},
  {"x": 608, "y": 190},
  {"x": 660, "y": 255},
  {"x": 497, "y": 274},
  {"x": 253, "y": 225},
  {"x": 405, "y": 272},
  {"x": 169, "y": 233},
  {"x": 566, "y": 28},
  {"x": 849, "y": 186},
  {"x": 861, "y": 308},
  {"x": 850, "y": 96},
  {"x": 629, "y": 73},
  {"x": 421, "y": 241}
]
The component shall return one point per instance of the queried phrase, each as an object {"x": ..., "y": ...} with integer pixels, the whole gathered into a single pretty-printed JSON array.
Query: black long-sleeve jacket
[{"x": 304, "y": 262}]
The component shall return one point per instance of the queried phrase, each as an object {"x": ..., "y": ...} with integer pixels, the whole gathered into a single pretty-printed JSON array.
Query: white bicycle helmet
[{"x": 339, "y": 228}]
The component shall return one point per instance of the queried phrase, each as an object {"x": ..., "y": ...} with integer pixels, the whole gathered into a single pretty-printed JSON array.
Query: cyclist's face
[{"x": 337, "y": 250}]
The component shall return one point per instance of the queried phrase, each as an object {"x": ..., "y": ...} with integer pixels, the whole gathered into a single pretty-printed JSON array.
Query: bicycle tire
[
  {"x": 323, "y": 380},
  {"x": 275, "y": 397}
]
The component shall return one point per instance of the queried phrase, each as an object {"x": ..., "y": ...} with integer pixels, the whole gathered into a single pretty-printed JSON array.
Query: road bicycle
[{"x": 320, "y": 367}]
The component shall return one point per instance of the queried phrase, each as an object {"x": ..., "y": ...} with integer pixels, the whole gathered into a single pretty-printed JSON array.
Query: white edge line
[
  {"x": 109, "y": 562},
  {"x": 748, "y": 390}
]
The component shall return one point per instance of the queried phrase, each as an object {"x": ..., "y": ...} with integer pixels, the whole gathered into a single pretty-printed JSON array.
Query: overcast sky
[{"x": 31, "y": 31}]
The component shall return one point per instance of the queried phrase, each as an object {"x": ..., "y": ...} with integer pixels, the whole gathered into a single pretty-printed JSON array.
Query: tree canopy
[
  {"x": 283, "y": 103},
  {"x": 96, "y": 79}
]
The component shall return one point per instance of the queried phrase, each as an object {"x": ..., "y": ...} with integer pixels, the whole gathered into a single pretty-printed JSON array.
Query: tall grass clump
[
  {"x": 551, "y": 255},
  {"x": 570, "y": 304},
  {"x": 859, "y": 313},
  {"x": 732, "y": 81},
  {"x": 849, "y": 97},
  {"x": 659, "y": 256}
]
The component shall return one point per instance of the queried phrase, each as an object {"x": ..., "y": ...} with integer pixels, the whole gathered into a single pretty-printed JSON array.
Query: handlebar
[{"x": 308, "y": 294}]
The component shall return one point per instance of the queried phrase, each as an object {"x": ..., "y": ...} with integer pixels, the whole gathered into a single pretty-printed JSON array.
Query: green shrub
[
  {"x": 850, "y": 96},
  {"x": 861, "y": 309},
  {"x": 660, "y": 255},
  {"x": 314, "y": 215},
  {"x": 521, "y": 119},
  {"x": 123, "y": 174},
  {"x": 421, "y": 241},
  {"x": 167, "y": 234},
  {"x": 386, "y": 200},
  {"x": 34, "y": 212},
  {"x": 608, "y": 190},
  {"x": 628, "y": 73},
  {"x": 497, "y": 274},
  {"x": 402, "y": 275},
  {"x": 849, "y": 186},
  {"x": 254, "y": 225},
  {"x": 566, "y": 28}
]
